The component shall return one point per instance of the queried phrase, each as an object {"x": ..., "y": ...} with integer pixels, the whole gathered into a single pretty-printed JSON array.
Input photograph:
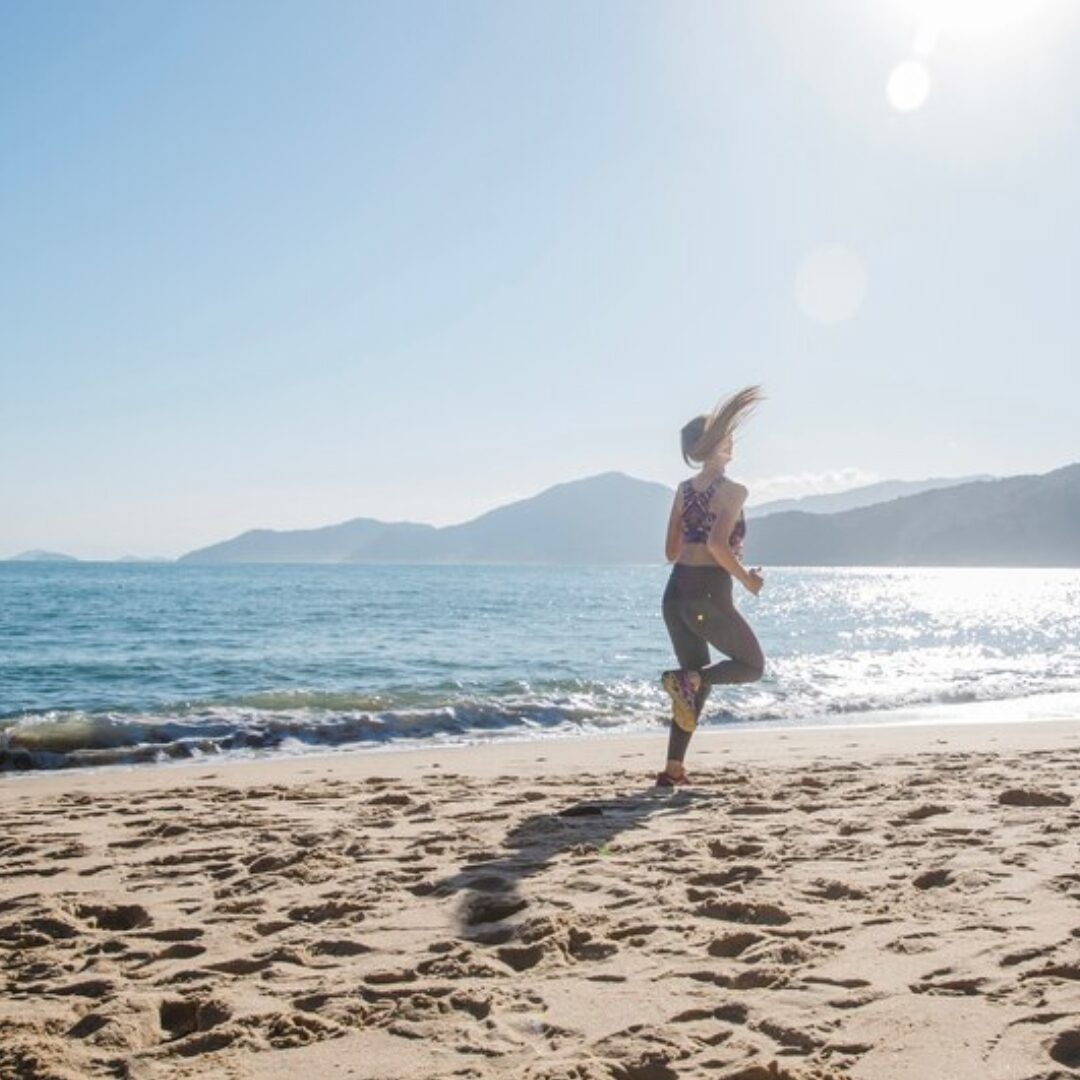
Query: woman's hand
[{"x": 754, "y": 580}]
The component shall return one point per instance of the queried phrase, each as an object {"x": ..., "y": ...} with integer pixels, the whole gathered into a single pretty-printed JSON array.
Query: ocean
[{"x": 115, "y": 663}]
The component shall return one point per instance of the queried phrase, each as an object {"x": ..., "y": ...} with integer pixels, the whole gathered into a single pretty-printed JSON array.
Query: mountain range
[
  {"x": 1015, "y": 521},
  {"x": 611, "y": 518},
  {"x": 614, "y": 518},
  {"x": 853, "y": 498}
]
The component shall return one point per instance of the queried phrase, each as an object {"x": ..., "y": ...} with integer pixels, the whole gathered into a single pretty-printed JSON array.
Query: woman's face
[{"x": 726, "y": 450}]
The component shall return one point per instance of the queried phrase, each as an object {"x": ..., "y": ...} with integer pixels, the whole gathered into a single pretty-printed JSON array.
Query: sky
[{"x": 283, "y": 264}]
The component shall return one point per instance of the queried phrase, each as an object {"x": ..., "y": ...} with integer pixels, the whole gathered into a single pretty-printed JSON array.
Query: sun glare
[
  {"x": 973, "y": 17},
  {"x": 908, "y": 86},
  {"x": 987, "y": 27}
]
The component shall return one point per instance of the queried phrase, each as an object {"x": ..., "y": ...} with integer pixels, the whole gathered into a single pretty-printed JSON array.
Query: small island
[{"x": 36, "y": 555}]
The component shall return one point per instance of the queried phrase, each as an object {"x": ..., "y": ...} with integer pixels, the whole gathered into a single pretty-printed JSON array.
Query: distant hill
[
  {"x": 1017, "y": 521},
  {"x": 347, "y": 542},
  {"x": 42, "y": 556},
  {"x": 869, "y": 495},
  {"x": 611, "y": 518}
]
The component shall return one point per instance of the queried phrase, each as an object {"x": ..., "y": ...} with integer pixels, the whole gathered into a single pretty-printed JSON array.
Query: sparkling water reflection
[{"x": 109, "y": 662}]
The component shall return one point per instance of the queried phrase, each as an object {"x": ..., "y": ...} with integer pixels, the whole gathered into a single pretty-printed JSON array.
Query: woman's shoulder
[
  {"x": 723, "y": 487},
  {"x": 733, "y": 490}
]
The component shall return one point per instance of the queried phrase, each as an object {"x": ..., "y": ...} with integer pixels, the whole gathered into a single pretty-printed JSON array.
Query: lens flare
[{"x": 908, "y": 86}]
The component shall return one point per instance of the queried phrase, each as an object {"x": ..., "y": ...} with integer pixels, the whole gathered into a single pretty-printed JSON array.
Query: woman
[{"x": 704, "y": 541}]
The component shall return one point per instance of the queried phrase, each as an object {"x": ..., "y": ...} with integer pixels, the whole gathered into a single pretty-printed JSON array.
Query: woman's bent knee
[{"x": 753, "y": 672}]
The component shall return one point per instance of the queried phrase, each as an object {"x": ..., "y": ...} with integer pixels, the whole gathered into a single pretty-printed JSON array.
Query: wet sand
[{"x": 867, "y": 903}]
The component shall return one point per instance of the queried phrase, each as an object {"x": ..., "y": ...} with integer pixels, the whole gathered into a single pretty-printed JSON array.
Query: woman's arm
[
  {"x": 673, "y": 545},
  {"x": 730, "y": 500}
]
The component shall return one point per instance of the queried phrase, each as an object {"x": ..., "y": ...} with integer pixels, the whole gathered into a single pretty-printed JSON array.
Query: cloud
[{"x": 795, "y": 485}]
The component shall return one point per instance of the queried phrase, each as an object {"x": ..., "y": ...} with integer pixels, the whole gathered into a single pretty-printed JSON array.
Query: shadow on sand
[{"x": 491, "y": 889}]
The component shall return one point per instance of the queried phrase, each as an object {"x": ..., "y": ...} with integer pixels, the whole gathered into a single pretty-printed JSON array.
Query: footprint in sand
[
  {"x": 1065, "y": 1049},
  {"x": 933, "y": 879},
  {"x": 87, "y": 1027},
  {"x": 184, "y": 1016},
  {"x": 913, "y": 944},
  {"x": 88, "y": 988},
  {"x": 1034, "y": 797},
  {"x": 461, "y": 963},
  {"x": 719, "y": 850},
  {"x": 522, "y": 957},
  {"x": 937, "y": 983},
  {"x": 834, "y": 890},
  {"x": 40, "y": 930},
  {"x": 1068, "y": 972},
  {"x": 482, "y": 908},
  {"x": 174, "y": 933},
  {"x": 581, "y": 945},
  {"x": 330, "y": 910},
  {"x": 792, "y": 1039},
  {"x": 113, "y": 916},
  {"x": 180, "y": 951},
  {"x": 739, "y": 912},
  {"x": 721, "y": 878},
  {"x": 633, "y": 934},
  {"x": 1024, "y": 955},
  {"x": 921, "y": 813},
  {"x": 339, "y": 947},
  {"x": 756, "y": 810},
  {"x": 732, "y": 945}
]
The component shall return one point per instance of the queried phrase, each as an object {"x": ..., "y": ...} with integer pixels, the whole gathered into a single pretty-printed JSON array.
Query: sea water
[{"x": 104, "y": 663}]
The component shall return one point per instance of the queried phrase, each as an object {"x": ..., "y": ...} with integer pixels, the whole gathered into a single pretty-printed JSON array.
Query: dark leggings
[{"x": 699, "y": 612}]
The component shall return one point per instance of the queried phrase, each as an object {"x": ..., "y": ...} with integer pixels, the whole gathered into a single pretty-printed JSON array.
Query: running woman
[{"x": 704, "y": 541}]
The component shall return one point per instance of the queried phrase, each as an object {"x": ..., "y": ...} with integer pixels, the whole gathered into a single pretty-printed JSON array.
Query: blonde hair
[{"x": 702, "y": 435}]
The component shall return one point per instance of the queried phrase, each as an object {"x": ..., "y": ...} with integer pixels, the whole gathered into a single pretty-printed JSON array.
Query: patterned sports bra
[{"x": 698, "y": 519}]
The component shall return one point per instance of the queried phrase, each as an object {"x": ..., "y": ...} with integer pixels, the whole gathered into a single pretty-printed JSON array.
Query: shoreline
[{"x": 1033, "y": 711}]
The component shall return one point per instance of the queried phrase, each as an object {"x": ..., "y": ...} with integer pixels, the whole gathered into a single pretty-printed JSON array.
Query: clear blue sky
[{"x": 284, "y": 264}]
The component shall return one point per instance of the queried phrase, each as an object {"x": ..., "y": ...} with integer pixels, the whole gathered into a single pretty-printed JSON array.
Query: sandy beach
[{"x": 867, "y": 903}]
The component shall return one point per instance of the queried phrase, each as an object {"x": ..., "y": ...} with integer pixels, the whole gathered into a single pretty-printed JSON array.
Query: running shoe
[{"x": 683, "y": 699}]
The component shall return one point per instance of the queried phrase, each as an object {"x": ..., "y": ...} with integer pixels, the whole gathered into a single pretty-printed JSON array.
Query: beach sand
[{"x": 866, "y": 903}]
